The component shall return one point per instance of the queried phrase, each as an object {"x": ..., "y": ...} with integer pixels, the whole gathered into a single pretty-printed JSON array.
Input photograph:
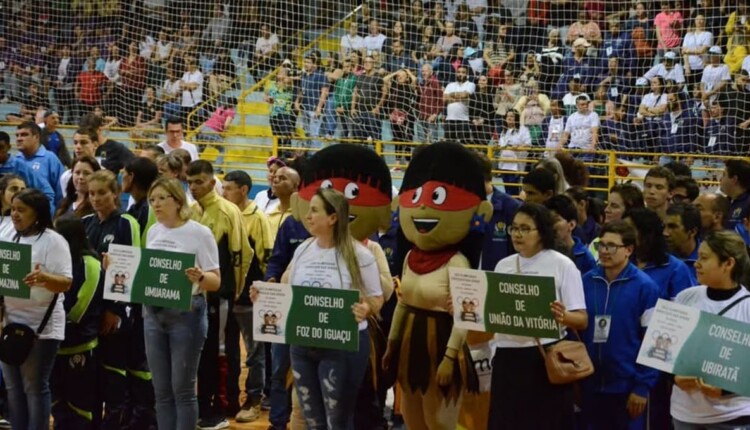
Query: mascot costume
[
  {"x": 364, "y": 179},
  {"x": 443, "y": 213}
]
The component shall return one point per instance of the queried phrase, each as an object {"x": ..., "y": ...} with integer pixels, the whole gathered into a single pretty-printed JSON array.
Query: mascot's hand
[{"x": 445, "y": 371}]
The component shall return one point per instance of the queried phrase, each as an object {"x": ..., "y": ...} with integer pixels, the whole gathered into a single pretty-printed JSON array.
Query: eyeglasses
[
  {"x": 159, "y": 199},
  {"x": 609, "y": 248},
  {"x": 521, "y": 231}
]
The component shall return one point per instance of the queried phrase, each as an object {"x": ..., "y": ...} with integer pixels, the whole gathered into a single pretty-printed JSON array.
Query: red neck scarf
[{"x": 421, "y": 262}]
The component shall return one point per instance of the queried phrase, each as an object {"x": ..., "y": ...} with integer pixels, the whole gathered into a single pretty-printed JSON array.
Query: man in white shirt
[
  {"x": 351, "y": 42},
  {"x": 266, "y": 51},
  {"x": 582, "y": 128},
  {"x": 668, "y": 69},
  {"x": 715, "y": 78},
  {"x": 191, "y": 84},
  {"x": 375, "y": 40},
  {"x": 456, "y": 96},
  {"x": 174, "y": 133}
]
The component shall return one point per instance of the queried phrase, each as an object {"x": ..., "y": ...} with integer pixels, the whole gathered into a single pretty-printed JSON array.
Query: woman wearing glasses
[
  {"x": 174, "y": 338},
  {"x": 512, "y": 392}
]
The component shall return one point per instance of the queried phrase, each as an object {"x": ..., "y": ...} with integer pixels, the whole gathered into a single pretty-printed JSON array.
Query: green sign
[
  {"x": 306, "y": 316},
  {"x": 149, "y": 276},
  {"x": 688, "y": 342},
  {"x": 15, "y": 264},
  {"x": 503, "y": 303}
]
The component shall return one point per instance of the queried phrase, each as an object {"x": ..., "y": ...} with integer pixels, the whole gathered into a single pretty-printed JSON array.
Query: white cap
[
  {"x": 670, "y": 55},
  {"x": 581, "y": 42},
  {"x": 716, "y": 50},
  {"x": 641, "y": 82}
]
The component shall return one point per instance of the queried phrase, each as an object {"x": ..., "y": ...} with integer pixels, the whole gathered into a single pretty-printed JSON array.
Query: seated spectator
[
  {"x": 351, "y": 41},
  {"x": 584, "y": 28},
  {"x": 577, "y": 66},
  {"x": 617, "y": 132},
  {"x": 737, "y": 21},
  {"x": 576, "y": 89},
  {"x": 617, "y": 79},
  {"x": 25, "y": 69},
  {"x": 474, "y": 54},
  {"x": 647, "y": 124},
  {"x": 531, "y": 68},
  {"x": 266, "y": 56},
  {"x": 218, "y": 24},
  {"x": 533, "y": 107},
  {"x": 601, "y": 104},
  {"x": 550, "y": 61},
  {"x": 553, "y": 126},
  {"x": 680, "y": 128},
  {"x": 736, "y": 51},
  {"x": 507, "y": 94},
  {"x": 582, "y": 130},
  {"x": 147, "y": 118},
  {"x": 399, "y": 59},
  {"x": 222, "y": 75},
  {"x": 618, "y": 44},
  {"x": 715, "y": 78},
  {"x": 374, "y": 40},
  {"x": 29, "y": 106},
  {"x": 667, "y": 69},
  {"x": 720, "y": 134}
]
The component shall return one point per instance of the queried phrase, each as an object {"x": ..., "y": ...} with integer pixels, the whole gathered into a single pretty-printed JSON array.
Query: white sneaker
[
  {"x": 5, "y": 100},
  {"x": 223, "y": 424},
  {"x": 248, "y": 414}
]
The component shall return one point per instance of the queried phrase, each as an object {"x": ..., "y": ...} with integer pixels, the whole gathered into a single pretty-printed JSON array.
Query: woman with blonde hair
[{"x": 327, "y": 379}]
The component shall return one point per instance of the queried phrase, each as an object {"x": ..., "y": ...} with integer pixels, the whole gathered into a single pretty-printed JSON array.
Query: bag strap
[
  {"x": 733, "y": 304},
  {"x": 47, "y": 315}
]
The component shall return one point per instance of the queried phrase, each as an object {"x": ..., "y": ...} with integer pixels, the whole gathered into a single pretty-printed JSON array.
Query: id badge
[
  {"x": 613, "y": 92},
  {"x": 601, "y": 329},
  {"x": 675, "y": 126},
  {"x": 712, "y": 141},
  {"x": 609, "y": 51}
]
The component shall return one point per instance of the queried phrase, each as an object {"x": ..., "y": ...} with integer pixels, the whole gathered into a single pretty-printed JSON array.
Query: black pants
[
  {"x": 73, "y": 384},
  {"x": 113, "y": 381},
  {"x": 209, "y": 401},
  {"x": 458, "y": 131},
  {"x": 234, "y": 365},
  {"x": 522, "y": 397},
  {"x": 605, "y": 411},
  {"x": 140, "y": 388}
]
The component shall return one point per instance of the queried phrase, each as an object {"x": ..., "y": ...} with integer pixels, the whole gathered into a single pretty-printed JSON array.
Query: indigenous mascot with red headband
[
  {"x": 364, "y": 179},
  {"x": 443, "y": 213}
]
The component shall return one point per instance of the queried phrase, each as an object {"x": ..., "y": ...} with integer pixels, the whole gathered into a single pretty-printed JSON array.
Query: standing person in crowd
[
  {"x": 45, "y": 165},
  {"x": 175, "y": 134},
  {"x": 620, "y": 299},
  {"x": 512, "y": 393},
  {"x": 565, "y": 218},
  {"x": 367, "y": 100},
  {"x": 482, "y": 112},
  {"x": 53, "y": 140},
  {"x": 553, "y": 126},
  {"x": 581, "y": 129},
  {"x": 109, "y": 225},
  {"x": 174, "y": 338},
  {"x": 76, "y": 199},
  {"x": 430, "y": 104},
  {"x": 668, "y": 26},
  {"x": 657, "y": 189},
  {"x": 342, "y": 100},
  {"x": 590, "y": 214},
  {"x": 696, "y": 43},
  {"x": 456, "y": 97},
  {"x": 27, "y": 384},
  {"x": 237, "y": 184},
  {"x": 715, "y": 78},
  {"x": 84, "y": 145},
  {"x": 266, "y": 199},
  {"x": 74, "y": 376},
  {"x": 191, "y": 85},
  {"x": 133, "y": 78},
  {"x": 401, "y": 89},
  {"x": 285, "y": 183},
  {"x": 714, "y": 211},
  {"x": 622, "y": 198},
  {"x": 113, "y": 155},
  {"x": 10, "y": 184},
  {"x": 512, "y": 142},
  {"x": 682, "y": 230},
  {"x": 10, "y": 164},
  {"x": 722, "y": 269},
  {"x": 651, "y": 254},
  {"x": 538, "y": 186},
  {"x": 332, "y": 245},
  {"x": 280, "y": 96},
  {"x": 225, "y": 221},
  {"x": 735, "y": 184},
  {"x": 311, "y": 100},
  {"x": 496, "y": 244}
]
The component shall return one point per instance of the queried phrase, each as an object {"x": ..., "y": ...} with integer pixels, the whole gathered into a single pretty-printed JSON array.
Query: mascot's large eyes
[
  {"x": 351, "y": 191},
  {"x": 417, "y": 195},
  {"x": 326, "y": 184},
  {"x": 439, "y": 195}
]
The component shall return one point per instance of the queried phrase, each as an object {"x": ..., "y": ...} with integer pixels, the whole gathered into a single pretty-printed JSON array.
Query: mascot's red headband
[
  {"x": 440, "y": 196},
  {"x": 357, "y": 193}
]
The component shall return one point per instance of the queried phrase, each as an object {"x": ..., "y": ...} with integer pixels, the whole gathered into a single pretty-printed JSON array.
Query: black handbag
[{"x": 17, "y": 339}]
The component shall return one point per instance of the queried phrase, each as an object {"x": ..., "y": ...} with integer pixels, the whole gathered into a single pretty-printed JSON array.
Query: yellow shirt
[
  {"x": 259, "y": 231},
  {"x": 276, "y": 218}
]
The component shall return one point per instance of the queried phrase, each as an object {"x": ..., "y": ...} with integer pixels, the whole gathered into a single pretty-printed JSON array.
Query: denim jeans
[
  {"x": 280, "y": 399},
  {"x": 312, "y": 126},
  {"x": 426, "y": 132},
  {"x": 256, "y": 358},
  {"x": 29, "y": 397},
  {"x": 327, "y": 383},
  {"x": 174, "y": 340}
]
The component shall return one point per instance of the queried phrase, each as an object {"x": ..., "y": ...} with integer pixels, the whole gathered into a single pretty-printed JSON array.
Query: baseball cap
[
  {"x": 581, "y": 42},
  {"x": 716, "y": 50},
  {"x": 670, "y": 55},
  {"x": 641, "y": 82}
]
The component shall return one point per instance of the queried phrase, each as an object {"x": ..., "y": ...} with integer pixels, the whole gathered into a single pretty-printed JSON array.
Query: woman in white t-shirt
[
  {"x": 328, "y": 380},
  {"x": 521, "y": 395},
  {"x": 29, "y": 400},
  {"x": 174, "y": 338},
  {"x": 10, "y": 184},
  {"x": 694, "y": 45},
  {"x": 514, "y": 136},
  {"x": 722, "y": 267}
]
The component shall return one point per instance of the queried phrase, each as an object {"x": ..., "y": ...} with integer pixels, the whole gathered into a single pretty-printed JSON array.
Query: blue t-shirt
[{"x": 311, "y": 85}]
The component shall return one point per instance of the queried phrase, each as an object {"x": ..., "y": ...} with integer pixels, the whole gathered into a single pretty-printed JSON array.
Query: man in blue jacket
[
  {"x": 620, "y": 299},
  {"x": 496, "y": 244},
  {"x": 565, "y": 216}
]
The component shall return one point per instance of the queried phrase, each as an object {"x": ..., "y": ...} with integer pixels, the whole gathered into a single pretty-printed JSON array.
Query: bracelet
[{"x": 203, "y": 276}]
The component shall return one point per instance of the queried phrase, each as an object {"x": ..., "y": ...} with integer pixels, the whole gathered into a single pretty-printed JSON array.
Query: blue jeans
[
  {"x": 174, "y": 340},
  {"x": 312, "y": 129},
  {"x": 256, "y": 358},
  {"x": 280, "y": 399},
  {"x": 29, "y": 397},
  {"x": 327, "y": 383},
  {"x": 172, "y": 110}
]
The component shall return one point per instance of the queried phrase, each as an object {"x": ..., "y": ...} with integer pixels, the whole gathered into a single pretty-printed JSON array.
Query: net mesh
[{"x": 250, "y": 78}]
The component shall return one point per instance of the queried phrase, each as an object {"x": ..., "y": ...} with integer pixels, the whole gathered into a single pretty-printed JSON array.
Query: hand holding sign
[
  {"x": 361, "y": 310},
  {"x": 36, "y": 278}
]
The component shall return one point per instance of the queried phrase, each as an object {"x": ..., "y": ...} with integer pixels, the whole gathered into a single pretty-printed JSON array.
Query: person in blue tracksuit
[
  {"x": 651, "y": 256},
  {"x": 682, "y": 229},
  {"x": 619, "y": 300},
  {"x": 74, "y": 377},
  {"x": 565, "y": 216},
  {"x": 496, "y": 244}
]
